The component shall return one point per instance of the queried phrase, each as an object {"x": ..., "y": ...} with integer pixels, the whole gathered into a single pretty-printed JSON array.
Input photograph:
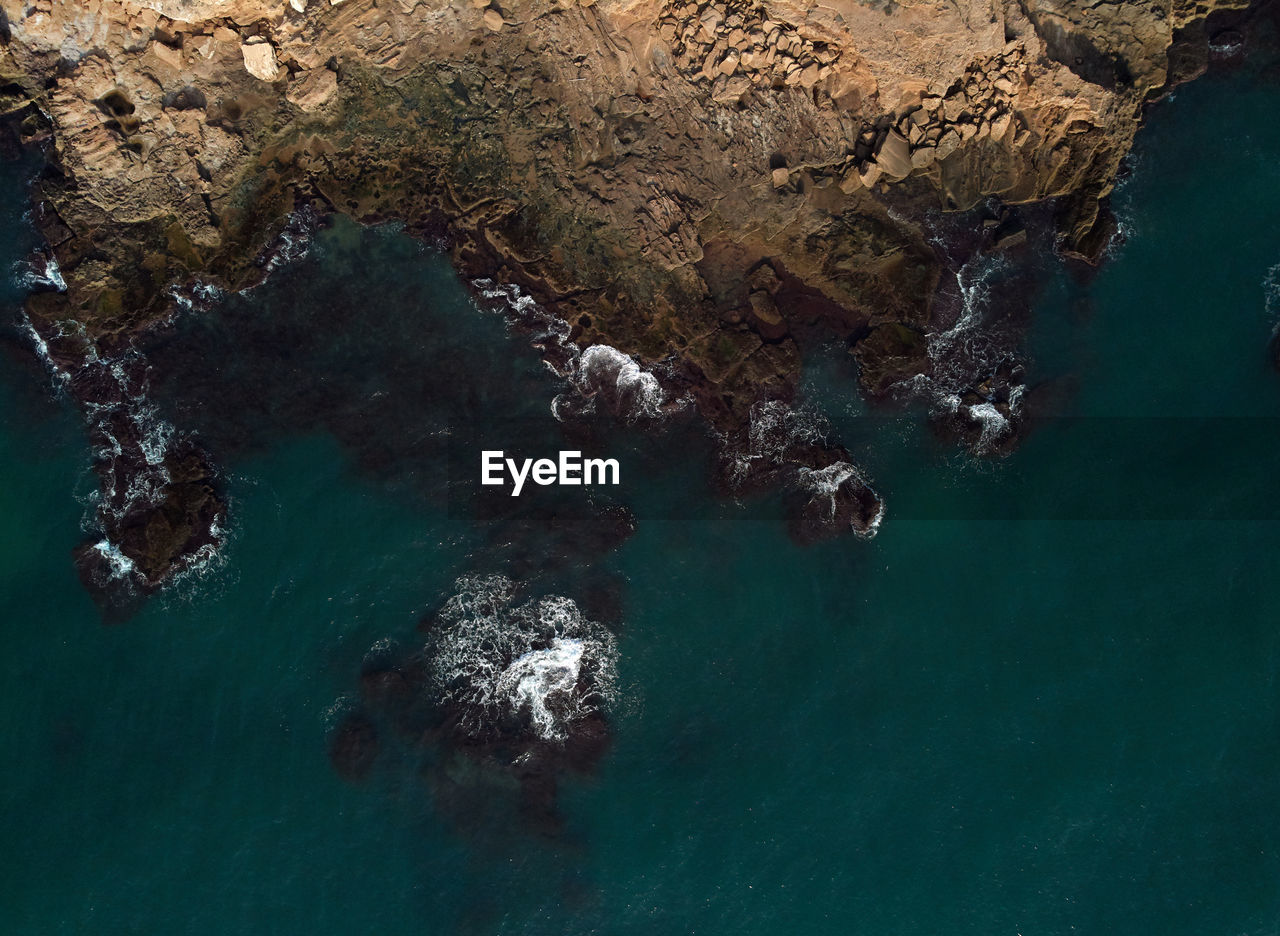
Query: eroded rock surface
[{"x": 706, "y": 183}]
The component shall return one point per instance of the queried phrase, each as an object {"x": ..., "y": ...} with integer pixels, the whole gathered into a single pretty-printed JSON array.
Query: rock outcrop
[{"x": 707, "y": 182}]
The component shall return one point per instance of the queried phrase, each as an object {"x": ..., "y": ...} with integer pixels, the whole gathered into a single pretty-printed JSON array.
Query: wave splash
[
  {"x": 826, "y": 487},
  {"x": 540, "y": 666},
  {"x": 774, "y": 430},
  {"x": 791, "y": 445},
  {"x": 598, "y": 375},
  {"x": 135, "y": 453},
  {"x": 629, "y": 391},
  {"x": 974, "y": 378},
  {"x": 40, "y": 273}
]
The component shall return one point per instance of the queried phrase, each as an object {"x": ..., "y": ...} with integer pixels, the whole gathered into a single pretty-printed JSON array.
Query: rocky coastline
[{"x": 715, "y": 187}]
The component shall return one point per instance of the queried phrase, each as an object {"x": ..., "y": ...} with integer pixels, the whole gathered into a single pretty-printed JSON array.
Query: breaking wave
[
  {"x": 61, "y": 376},
  {"x": 540, "y": 665},
  {"x": 824, "y": 485},
  {"x": 548, "y": 333},
  {"x": 291, "y": 244},
  {"x": 628, "y": 390},
  {"x": 774, "y": 429},
  {"x": 40, "y": 273},
  {"x": 598, "y": 374},
  {"x": 791, "y": 444},
  {"x": 971, "y": 368},
  {"x": 132, "y": 446}
]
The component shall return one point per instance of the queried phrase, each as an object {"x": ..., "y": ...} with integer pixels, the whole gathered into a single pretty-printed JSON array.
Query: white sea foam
[
  {"x": 548, "y": 333},
  {"x": 60, "y": 374},
  {"x": 206, "y": 292},
  {"x": 291, "y": 245},
  {"x": 152, "y": 437},
  {"x": 201, "y": 563},
  {"x": 155, "y": 435},
  {"x": 537, "y": 680},
  {"x": 600, "y": 372},
  {"x": 994, "y": 424},
  {"x": 41, "y": 272},
  {"x": 628, "y": 389},
  {"x": 965, "y": 354},
  {"x": 773, "y": 429},
  {"x": 824, "y": 485},
  {"x": 337, "y": 710},
  {"x": 120, "y": 565},
  {"x": 542, "y": 660}
]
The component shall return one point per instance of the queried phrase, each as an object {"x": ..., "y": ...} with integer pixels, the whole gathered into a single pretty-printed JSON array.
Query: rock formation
[{"x": 705, "y": 182}]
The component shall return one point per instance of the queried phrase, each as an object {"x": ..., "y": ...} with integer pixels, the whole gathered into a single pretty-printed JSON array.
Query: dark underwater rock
[{"x": 353, "y": 747}]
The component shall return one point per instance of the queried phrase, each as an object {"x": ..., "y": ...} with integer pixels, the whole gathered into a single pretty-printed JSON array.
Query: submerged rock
[
  {"x": 353, "y": 747},
  {"x": 502, "y": 698}
]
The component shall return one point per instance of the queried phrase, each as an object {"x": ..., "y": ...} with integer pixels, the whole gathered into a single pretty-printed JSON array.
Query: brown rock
[
  {"x": 167, "y": 55},
  {"x": 733, "y": 91},
  {"x": 953, "y": 108},
  {"x": 1000, "y": 127},
  {"x": 948, "y": 143},
  {"x": 923, "y": 157},
  {"x": 313, "y": 89},
  {"x": 565, "y": 135},
  {"x": 895, "y": 156},
  {"x": 260, "y": 60},
  {"x": 764, "y": 317}
]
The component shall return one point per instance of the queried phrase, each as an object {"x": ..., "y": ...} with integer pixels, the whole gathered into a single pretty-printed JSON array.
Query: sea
[{"x": 1042, "y": 700}]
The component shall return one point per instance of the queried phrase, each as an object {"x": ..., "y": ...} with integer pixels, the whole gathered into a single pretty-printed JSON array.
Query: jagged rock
[
  {"x": 895, "y": 156},
  {"x": 764, "y": 316},
  {"x": 617, "y": 135},
  {"x": 889, "y": 354},
  {"x": 734, "y": 90},
  {"x": 260, "y": 60},
  {"x": 1000, "y": 126},
  {"x": 168, "y": 55},
  {"x": 1010, "y": 234},
  {"x": 870, "y": 174},
  {"x": 923, "y": 157},
  {"x": 953, "y": 108},
  {"x": 948, "y": 143},
  {"x": 781, "y": 177}
]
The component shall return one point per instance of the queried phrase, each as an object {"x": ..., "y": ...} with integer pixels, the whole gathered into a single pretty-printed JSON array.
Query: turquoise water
[{"x": 1042, "y": 701}]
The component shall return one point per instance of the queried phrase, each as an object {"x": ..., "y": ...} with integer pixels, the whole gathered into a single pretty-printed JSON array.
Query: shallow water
[{"x": 1042, "y": 700}]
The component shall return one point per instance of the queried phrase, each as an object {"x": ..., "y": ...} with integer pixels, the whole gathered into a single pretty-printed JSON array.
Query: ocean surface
[{"x": 1043, "y": 700}]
